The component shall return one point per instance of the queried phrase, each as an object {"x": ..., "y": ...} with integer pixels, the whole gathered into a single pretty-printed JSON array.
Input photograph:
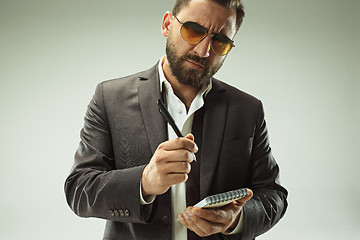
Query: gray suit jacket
[{"x": 123, "y": 129}]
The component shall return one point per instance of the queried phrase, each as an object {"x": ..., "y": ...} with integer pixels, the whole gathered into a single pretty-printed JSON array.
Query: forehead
[{"x": 211, "y": 15}]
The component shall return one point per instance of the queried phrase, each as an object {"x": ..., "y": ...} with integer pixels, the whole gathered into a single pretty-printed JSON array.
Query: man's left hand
[{"x": 206, "y": 222}]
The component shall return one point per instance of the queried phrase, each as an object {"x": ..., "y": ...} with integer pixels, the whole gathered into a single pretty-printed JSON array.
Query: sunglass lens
[
  {"x": 221, "y": 44},
  {"x": 192, "y": 32}
]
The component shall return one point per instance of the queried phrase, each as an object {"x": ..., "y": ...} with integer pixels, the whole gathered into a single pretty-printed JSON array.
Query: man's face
[{"x": 194, "y": 64}]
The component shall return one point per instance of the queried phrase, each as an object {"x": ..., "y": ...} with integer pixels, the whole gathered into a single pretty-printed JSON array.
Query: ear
[{"x": 165, "y": 27}]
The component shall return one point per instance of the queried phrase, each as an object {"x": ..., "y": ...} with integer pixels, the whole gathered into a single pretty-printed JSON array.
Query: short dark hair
[{"x": 235, "y": 4}]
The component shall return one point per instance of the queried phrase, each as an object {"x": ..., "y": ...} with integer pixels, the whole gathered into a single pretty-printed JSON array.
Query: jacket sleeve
[
  {"x": 94, "y": 187},
  {"x": 269, "y": 203}
]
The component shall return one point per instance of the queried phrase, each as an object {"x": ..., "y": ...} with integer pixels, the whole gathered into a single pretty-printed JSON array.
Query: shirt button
[
  {"x": 179, "y": 111},
  {"x": 165, "y": 221}
]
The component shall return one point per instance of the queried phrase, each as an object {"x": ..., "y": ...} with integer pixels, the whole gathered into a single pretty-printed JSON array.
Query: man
[{"x": 131, "y": 168}]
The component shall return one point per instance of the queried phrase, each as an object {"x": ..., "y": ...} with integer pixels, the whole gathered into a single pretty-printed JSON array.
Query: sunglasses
[{"x": 194, "y": 33}]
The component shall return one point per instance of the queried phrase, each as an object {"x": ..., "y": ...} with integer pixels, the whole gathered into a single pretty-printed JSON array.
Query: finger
[
  {"x": 176, "y": 167},
  {"x": 175, "y": 178},
  {"x": 243, "y": 200},
  {"x": 196, "y": 149},
  {"x": 190, "y": 136},
  {"x": 171, "y": 173},
  {"x": 215, "y": 215},
  {"x": 180, "y": 155},
  {"x": 179, "y": 143},
  {"x": 186, "y": 220},
  {"x": 250, "y": 192},
  {"x": 163, "y": 156},
  {"x": 182, "y": 219},
  {"x": 201, "y": 226}
]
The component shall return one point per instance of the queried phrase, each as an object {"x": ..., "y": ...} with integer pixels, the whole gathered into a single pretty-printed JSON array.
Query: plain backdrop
[{"x": 301, "y": 58}]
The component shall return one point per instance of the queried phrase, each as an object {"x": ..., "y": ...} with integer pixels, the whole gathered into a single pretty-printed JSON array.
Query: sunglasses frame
[{"x": 206, "y": 34}]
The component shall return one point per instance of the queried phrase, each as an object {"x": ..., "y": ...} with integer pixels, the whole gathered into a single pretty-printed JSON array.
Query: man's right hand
[{"x": 169, "y": 165}]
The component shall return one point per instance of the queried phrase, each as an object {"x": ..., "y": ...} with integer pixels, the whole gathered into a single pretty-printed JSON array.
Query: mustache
[{"x": 197, "y": 59}]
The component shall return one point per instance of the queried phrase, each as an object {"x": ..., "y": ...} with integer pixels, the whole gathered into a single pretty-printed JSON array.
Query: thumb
[
  {"x": 190, "y": 136},
  {"x": 243, "y": 200},
  {"x": 249, "y": 196}
]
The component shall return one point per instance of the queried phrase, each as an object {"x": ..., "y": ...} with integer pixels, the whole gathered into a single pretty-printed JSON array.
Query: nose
[{"x": 202, "y": 49}]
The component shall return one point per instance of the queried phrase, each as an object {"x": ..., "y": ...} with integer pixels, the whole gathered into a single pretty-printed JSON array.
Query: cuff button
[
  {"x": 116, "y": 213},
  {"x": 111, "y": 212},
  {"x": 121, "y": 212},
  {"x": 127, "y": 213}
]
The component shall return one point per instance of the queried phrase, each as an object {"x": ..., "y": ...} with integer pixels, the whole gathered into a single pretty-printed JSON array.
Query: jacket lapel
[
  {"x": 149, "y": 93},
  {"x": 216, "y": 107}
]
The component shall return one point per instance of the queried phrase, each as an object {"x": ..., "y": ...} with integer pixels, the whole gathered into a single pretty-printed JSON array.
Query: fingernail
[
  {"x": 193, "y": 156},
  {"x": 185, "y": 215}
]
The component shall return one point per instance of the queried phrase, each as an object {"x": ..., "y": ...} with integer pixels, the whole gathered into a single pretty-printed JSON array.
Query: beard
[{"x": 187, "y": 75}]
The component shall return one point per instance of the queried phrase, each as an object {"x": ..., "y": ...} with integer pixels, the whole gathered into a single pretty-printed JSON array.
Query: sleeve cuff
[
  {"x": 239, "y": 227},
  {"x": 147, "y": 200}
]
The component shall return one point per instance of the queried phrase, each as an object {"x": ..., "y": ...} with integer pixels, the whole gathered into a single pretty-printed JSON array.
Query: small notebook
[{"x": 221, "y": 199}]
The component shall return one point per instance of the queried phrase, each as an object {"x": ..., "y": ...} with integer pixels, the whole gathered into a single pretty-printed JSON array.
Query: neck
[{"x": 184, "y": 92}]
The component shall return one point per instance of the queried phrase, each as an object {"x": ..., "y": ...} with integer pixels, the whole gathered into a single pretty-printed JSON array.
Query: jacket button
[
  {"x": 165, "y": 221},
  {"x": 121, "y": 212},
  {"x": 126, "y": 212},
  {"x": 111, "y": 212},
  {"x": 116, "y": 213}
]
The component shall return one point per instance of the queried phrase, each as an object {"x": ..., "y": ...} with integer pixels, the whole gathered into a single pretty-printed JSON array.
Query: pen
[{"x": 165, "y": 113}]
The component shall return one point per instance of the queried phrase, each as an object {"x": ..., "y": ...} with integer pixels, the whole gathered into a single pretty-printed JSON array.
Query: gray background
[{"x": 301, "y": 58}]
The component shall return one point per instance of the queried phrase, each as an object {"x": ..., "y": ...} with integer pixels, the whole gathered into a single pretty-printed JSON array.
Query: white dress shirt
[{"x": 184, "y": 120}]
